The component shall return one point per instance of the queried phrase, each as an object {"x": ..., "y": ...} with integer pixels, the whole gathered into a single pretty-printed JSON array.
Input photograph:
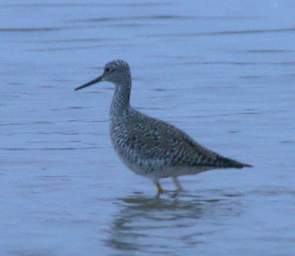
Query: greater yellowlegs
[{"x": 148, "y": 146}]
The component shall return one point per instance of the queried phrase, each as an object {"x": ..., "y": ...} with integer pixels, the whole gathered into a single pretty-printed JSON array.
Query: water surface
[{"x": 221, "y": 71}]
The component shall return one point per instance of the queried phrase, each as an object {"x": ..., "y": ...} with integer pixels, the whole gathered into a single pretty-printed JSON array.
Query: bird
[{"x": 148, "y": 146}]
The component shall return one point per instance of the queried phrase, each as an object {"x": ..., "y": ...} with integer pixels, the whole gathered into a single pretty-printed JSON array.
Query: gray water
[{"x": 223, "y": 71}]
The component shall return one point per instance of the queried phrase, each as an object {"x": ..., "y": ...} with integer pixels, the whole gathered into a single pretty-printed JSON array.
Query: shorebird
[{"x": 148, "y": 146}]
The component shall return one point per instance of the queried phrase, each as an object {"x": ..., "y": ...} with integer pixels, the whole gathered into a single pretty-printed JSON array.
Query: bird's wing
[{"x": 158, "y": 140}]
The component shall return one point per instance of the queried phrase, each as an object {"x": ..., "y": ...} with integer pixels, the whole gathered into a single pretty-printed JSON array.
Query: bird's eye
[{"x": 107, "y": 70}]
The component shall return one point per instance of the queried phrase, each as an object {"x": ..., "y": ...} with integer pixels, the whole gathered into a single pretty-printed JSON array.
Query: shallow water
[{"x": 221, "y": 71}]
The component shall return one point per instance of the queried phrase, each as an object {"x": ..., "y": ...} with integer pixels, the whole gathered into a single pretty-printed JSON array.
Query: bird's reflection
[{"x": 173, "y": 225}]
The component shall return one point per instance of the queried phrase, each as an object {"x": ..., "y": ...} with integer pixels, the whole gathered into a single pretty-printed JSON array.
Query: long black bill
[{"x": 94, "y": 81}]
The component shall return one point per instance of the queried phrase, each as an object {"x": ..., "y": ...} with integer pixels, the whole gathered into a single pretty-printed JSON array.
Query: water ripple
[{"x": 143, "y": 222}]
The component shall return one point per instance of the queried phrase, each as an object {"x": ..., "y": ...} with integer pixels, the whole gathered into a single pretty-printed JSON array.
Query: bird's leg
[
  {"x": 160, "y": 190},
  {"x": 177, "y": 184}
]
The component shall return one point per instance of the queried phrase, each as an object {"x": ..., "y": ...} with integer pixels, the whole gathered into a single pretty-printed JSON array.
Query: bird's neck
[{"x": 121, "y": 99}]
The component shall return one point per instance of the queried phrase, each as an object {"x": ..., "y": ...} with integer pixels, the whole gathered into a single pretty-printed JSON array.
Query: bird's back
[{"x": 148, "y": 145}]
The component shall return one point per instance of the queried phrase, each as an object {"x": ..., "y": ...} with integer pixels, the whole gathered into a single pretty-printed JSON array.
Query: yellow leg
[
  {"x": 160, "y": 190},
  {"x": 177, "y": 184}
]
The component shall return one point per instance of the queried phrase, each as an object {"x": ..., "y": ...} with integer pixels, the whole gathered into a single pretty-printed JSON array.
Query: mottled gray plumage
[{"x": 148, "y": 146}]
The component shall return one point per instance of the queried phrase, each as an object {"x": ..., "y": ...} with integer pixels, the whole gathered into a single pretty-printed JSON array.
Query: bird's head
[{"x": 116, "y": 72}]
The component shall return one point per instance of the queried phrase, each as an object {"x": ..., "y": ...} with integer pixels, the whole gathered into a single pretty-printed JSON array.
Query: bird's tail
[{"x": 230, "y": 163}]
